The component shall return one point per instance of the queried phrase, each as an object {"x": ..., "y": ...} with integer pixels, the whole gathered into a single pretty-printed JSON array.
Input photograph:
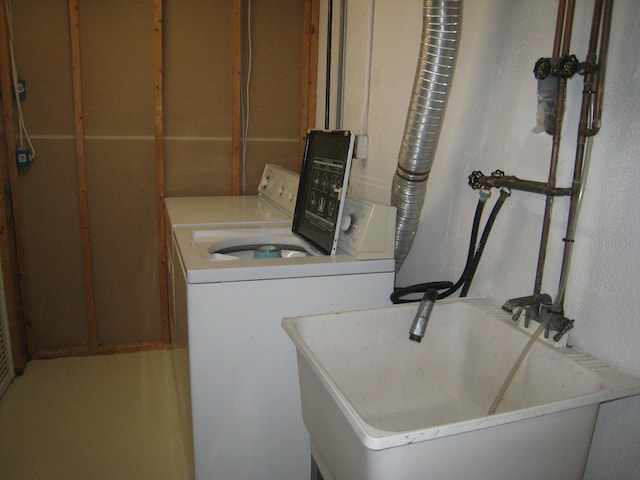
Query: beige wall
[{"x": 117, "y": 49}]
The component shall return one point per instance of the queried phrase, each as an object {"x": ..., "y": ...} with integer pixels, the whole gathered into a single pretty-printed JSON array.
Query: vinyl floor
[{"x": 93, "y": 418}]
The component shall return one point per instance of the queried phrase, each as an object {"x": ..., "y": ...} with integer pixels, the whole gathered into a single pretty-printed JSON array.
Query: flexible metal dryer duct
[{"x": 441, "y": 29}]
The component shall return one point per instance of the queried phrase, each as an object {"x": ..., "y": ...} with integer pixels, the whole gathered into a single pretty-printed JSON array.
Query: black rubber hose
[
  {"x": 472, "y": 250},
  {"x": 504, "y": 194},
  {"x": 396, "y": 296},
  {"x": 449, "y": 287},
  {"x": 473, "y": 257}
]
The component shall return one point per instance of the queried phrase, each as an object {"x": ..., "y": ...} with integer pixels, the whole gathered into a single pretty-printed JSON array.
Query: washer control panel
[
  {"x": 368, "y": 230},
  {"x": 280, "y": 186}
]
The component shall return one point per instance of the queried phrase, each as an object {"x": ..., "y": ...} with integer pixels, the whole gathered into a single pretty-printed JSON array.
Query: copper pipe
[
  {"x": 515, "y": 183},
  {"x": 585, "y": 133},
  {"x": 589, "y": 91},
  {"x": 567, "y": 23},
  {"x": 594, "y": 127},
  {"x": 557, "y": 42},
  {"x": 568, "y": 27},
  {"x": 595, "y": 30}
]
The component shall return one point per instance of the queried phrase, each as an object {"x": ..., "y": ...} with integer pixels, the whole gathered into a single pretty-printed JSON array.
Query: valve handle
[
  {"x": 569, "y": 65},
  {"x": 474, "y": 179},
  {"x": 566, "y": 326},
  {"x": 542, "y": 68}
]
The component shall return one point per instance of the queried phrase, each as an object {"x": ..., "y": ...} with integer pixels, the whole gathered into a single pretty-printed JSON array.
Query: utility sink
[{"x": 379, "y": 406}]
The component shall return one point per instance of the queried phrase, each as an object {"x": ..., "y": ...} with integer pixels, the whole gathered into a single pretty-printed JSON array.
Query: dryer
[{"x": 242, "y": 371}]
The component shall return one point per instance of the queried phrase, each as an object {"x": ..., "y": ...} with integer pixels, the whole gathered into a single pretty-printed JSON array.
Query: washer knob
[{"x": 349, "y": 222}]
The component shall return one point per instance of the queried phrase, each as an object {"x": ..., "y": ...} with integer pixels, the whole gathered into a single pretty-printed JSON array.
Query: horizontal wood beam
[{"x": 100, "y": 350}]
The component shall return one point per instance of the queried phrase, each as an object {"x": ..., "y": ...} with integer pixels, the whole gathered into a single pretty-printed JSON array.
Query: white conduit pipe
[{"x": 441, "y": 29}]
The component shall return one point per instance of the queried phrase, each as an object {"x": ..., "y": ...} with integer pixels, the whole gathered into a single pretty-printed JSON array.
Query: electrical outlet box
[
  {"x": 20, "y": 90},
  {"x": 23, "y": 157}
]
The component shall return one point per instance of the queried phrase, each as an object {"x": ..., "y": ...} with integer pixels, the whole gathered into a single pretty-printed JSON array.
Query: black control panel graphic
[
  {"x": 324, "y": 195},
  {"x": 322, "y": 187}
]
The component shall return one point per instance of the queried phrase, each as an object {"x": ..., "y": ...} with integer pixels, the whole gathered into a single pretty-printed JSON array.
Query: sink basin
[{"x": 379, "y": 406}]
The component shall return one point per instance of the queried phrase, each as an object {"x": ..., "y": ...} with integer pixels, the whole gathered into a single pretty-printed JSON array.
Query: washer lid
[{"x": 323, "y": 186}]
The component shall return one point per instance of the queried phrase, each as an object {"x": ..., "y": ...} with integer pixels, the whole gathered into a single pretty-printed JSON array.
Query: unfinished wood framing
[
  {"x": 50, "y": 353},
  {"x": 13, "y": 258},
  {"x": 81, "y": 162},
  {"x": 236, "y": 96},
  {"x": 309, "y": 69},
  {"x": 159, "y": 154},
  {"x": 110, "y": 149}
]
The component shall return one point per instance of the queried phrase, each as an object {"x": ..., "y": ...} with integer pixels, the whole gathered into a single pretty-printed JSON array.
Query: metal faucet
[
  {"x": 419, "y": 325},
  {"x": 539, "y": 308},
  {"x": 530, "y": 304}
]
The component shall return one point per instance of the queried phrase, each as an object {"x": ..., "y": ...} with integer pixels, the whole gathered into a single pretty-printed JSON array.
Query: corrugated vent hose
[{"x": 441, "y": 29}]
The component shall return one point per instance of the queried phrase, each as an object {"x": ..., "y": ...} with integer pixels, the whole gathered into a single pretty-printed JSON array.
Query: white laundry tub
[{"x": 379, "y": 406}]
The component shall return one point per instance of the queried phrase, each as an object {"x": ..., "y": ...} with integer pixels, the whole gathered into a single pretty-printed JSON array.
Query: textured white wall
[{"x": 488, "y": 126}]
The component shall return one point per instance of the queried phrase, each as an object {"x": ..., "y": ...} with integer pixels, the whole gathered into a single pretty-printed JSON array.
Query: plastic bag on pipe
[{"x": 547, "y": 98}]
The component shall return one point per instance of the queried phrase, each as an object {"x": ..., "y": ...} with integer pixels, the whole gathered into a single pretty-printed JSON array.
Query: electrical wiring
[
  {"x": 364, "y": 121},
  {"x": 23, "y": 133},
  {"x": 246, "y": 103}
]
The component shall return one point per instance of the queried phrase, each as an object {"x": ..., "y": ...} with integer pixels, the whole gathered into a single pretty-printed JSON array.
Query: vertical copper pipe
[
  {"x": 595, "y": 30},
  {"x": 602, "y": 66},
  {"x": 557, "y": 42},
  {"x": 563, "y": 32},
  {"x": 584, "y": 133},
  {"x": 590, "y": 83},
  {"x": 568, "y": 28}
]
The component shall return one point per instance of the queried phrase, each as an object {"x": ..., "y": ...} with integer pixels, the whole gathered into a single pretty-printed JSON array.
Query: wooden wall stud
[{"x": 78, "y": 109}]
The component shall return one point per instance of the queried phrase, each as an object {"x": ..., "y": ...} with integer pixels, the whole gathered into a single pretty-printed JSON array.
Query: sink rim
[{"x": 616, "y": 384}]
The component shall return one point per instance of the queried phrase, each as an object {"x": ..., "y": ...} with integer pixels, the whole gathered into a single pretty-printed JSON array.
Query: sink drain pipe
[{"x": 441, "y": 29}]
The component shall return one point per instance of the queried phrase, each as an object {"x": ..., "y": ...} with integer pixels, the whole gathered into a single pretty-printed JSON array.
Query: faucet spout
[
  {"x": 419, "y": 325},
  {"x": 539, "y": 308},
  {"x": 515, "y": 306}
]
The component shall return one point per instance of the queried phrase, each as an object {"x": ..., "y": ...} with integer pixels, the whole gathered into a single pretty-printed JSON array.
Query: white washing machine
[
  {"x": 244, "y": 395},
  {"x": 273, "y": 204}
]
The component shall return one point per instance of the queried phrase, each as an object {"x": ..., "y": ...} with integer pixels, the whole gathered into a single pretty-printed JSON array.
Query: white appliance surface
[
  {"x": 246, "y": 416},
  {"x": 202, "y": 266},
  {"x": 246, "y": 413},
  {"x": 223, "y": 210},
  {"x": 241, "y": 367},
  {"x": 245, "y": 400},
  {"x": 273, "y": 203}
]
